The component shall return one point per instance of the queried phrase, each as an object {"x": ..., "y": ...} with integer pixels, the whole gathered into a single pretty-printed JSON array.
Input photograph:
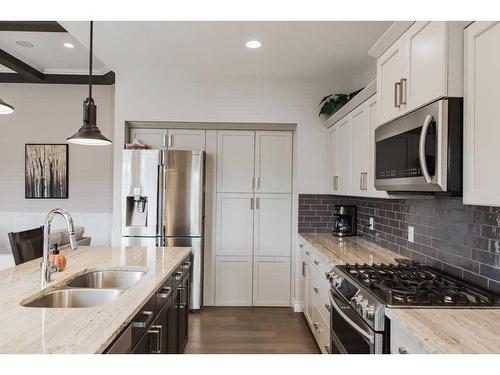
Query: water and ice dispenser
[{"x": 136, "y": 209}]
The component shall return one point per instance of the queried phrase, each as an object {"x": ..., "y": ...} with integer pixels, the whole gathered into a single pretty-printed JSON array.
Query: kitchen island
[{"x": 79, "y": 330}]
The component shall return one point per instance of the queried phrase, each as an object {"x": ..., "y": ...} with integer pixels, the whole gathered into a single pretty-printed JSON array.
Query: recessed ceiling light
[
  {"x": 25, "y": 44},
  {"x": 253, "y": 44},
  {"x": 68, "y": 45}
]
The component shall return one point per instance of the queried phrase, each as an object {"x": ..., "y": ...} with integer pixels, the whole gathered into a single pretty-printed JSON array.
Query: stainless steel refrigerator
[{"x": 162, "y": 205}]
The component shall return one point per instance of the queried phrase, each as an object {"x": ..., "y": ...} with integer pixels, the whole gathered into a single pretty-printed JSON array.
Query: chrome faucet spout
[{"x": 46, "y": 268}]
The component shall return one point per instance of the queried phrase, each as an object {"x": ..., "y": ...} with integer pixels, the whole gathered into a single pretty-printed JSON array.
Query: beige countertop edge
[
  {"x": 349, "y": 249},
  {"x": 451, "y": 331},
  {"x": 78, "y": 330}
]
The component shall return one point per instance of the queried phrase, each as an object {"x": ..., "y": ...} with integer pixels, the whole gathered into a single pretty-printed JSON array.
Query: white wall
[
  {"x": 49, "y": 114},
  {"x": 156, "y": 96}
]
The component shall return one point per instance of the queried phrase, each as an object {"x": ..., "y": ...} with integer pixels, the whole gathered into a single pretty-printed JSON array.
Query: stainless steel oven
[
  {"x": 349, "y": 334},
  {"x": 422, "y": 151}
]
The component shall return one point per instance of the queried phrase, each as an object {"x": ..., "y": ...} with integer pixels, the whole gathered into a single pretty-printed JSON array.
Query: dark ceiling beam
[
  {"x": 20, "y": 67},
  {"x": 27, "y": 74},
  {"x": 37, "y": 26},
  {"x": 64, "y": 79}
]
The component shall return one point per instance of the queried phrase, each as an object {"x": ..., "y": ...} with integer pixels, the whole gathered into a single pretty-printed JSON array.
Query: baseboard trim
[{"x": 297, "y": 307}]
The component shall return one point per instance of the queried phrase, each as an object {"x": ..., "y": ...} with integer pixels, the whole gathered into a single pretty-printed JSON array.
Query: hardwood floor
[{"x": 245, "y": 330}]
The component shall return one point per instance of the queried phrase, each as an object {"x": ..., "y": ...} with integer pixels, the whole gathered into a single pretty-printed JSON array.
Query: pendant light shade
[
  {"x": 89, "y": 134},
  {"x": 5, "y": 108}
]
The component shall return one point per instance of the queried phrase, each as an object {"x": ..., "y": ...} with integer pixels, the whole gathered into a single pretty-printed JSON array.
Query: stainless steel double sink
[{"x": 89, "y": 289}]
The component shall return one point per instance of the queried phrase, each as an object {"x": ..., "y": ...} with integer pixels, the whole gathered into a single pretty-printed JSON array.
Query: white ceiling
[
  {"x": 305, "y": 49},
  {"x": 48, "y": 54}
]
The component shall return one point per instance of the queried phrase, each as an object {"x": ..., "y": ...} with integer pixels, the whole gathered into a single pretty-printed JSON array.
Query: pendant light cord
[{"x": 90, "y": 57}]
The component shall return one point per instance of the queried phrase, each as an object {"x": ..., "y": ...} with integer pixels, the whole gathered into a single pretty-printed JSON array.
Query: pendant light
[
  {"x": 89, "y": 134},
  {"x": 5, "y": 108}
]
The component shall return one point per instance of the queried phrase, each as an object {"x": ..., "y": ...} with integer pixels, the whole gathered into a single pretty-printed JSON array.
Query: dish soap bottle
[{"x": 57, "y": 259}]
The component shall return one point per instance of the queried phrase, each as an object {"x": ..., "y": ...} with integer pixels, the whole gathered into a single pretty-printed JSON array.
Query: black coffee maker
[{"x": 344, "y": 224}]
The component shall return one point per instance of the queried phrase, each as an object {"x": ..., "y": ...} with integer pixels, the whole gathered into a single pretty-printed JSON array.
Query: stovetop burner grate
[{"x": 416, "y": 285}]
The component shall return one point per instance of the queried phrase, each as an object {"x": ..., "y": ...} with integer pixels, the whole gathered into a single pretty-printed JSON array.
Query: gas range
[{"x": 369, "y": 289}]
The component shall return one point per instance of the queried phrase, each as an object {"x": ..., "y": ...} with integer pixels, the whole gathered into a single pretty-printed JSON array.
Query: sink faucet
[{"x": 47, "y": 269}]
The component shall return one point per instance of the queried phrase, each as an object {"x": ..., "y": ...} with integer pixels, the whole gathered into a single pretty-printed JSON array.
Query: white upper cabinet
[
  {"x": 371, "y": 109},
  {"x": 272, "y": 223},
  {"x": 481, "y": 124},
  {"x": 360, "y": 149},
  {"x": 424, "y": 64},
  {"x": 390, "y": 70},
  {"x": 155, "y": 138},
  {"x": 186, "y": 139},
  {"x": 273, "y": 162},
  {"x": 425, "y": 68},
  {"x": 234, "y": 224},
  {"x": 172, "y": 139},
  {"x": 235, "y": 161},
  {"x": 345, "y": 157},
  {"x": 333, "y": 159}
]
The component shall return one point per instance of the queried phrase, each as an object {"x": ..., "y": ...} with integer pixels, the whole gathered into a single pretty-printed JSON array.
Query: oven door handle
[
  {"x": 421, "y": 149},
  {"x": 357, "y": 328}
]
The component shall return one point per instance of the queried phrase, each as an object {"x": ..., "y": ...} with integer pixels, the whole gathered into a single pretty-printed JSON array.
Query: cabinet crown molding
[
  {"x": 362, "y": 96},
  {"x": 388, "y": 38}
]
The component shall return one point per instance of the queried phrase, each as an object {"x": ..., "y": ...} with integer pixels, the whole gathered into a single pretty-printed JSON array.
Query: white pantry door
[
  {"x": 235, "y": 161},
  {"x": 273, "y": 161},
  {"x": 272, "y": 224}
]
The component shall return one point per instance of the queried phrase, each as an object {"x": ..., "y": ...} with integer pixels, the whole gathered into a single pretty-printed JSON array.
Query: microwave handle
[{"x": 421, "y": 149}]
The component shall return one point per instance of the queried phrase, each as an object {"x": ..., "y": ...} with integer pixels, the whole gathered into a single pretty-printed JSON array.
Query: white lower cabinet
[
  {"x": 404, "y": 343},
  {"x": 233, "y": 281},
  {"x": 316, "y": 288},
  {"x": 271, "y": 281}
]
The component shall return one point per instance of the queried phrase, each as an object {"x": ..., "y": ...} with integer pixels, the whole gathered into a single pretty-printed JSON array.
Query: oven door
[
  {"x": 411, "y": 151},
  {"x": 349, "y": 334}
]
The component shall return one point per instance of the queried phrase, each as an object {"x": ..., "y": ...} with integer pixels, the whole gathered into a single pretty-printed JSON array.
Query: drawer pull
[
  {"x": 178, "y": 275},
  {"x": 402, "y": 350},
  {"x": 316, "y": 326},
  {"x": 164, "y": 292},
  {"x": 143, "y": 324},
  {"x": 327, "y": 306},
  {"x": 186, "y": 265},
  {"x": 308, "y": 252},
  {"x": 316, "y": 262},
  {"x": 327, "y": 348},
  {"x": 316, "y": 290}
]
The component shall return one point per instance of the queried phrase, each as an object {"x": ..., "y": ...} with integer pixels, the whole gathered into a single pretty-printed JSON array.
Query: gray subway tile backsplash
[{"x": 459, "y": 239}]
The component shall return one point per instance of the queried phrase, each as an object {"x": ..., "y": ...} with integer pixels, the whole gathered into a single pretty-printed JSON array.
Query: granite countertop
[
  {"x": 349, "y": 249},
  {"x": 79, "y": 330},
  {"x": 452, "y": 331}
]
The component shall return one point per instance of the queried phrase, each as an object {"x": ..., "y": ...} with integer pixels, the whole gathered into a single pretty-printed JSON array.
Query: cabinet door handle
[
  {"x": 327, "y": 348},
  {"x": 316, "y": 262},
  {"x": 186, "y": 265},
  {"x": 304, "y": 269},
  {"x": 402, "y": 350},
  {"x": 170, "y": 140},
  {"x": 316, "y": 290},
  {"x": 253, "y": 183},
  {"x": 258, "y": 183},
  {"x": 164, "y": 140},
  {"x": 397, "y": 95},
  {"x": 327, "y": 306},
  {"x": 156, "y": 330},
  {"x": 316, "y": 326},
  {"x": 257, "y": 203},
  {"x": 178, "y": 275},
  {"x": 308, "y": 252},
  {"x": 361, "y": 181},
  {"x": 402, "y": 91},
  {"x": 251, "y": 203},
  {"x": 301, "y": 246}
]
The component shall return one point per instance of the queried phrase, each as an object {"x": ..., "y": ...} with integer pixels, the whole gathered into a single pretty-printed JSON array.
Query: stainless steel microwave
[{"x": 422, "y": 151}]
